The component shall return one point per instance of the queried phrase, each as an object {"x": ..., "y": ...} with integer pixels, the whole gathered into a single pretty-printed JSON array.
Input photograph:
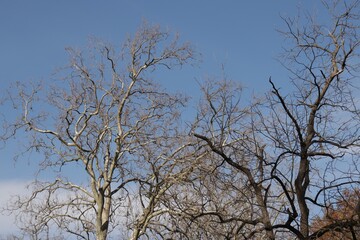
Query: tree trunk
[
  {"x": 103, "y": 215},
  {"x": 301, "y": 185}
]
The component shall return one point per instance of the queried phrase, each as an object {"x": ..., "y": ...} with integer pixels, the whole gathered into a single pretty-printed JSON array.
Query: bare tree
[
  {"x": 227, "y": 128},
  {"x": 111, "y": 122},
  {"x": 294, "y": 151}
]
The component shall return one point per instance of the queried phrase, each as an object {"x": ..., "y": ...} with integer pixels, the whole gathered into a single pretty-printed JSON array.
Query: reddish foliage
[{"x": 345, "y": 209}]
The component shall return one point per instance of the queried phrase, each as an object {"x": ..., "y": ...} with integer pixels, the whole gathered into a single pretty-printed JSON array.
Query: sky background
[{"x": 239, "y": 35}]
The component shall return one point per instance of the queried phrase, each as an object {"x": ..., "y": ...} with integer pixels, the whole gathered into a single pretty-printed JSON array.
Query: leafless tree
[
  {"x": 226, "y": 125},
  {"x": 295, "y": 151},
  {"x": 110, "y": 122}
]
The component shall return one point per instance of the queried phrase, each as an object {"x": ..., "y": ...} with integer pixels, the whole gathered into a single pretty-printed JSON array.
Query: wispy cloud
[{"x": 8, "y": 189}]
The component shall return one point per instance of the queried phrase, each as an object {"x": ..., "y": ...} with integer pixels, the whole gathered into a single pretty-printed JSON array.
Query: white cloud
[{"x": 8, "y": 189}]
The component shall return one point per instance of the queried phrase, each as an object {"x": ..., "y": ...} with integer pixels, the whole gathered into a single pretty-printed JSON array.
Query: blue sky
[{"x": 241, "y": 35}]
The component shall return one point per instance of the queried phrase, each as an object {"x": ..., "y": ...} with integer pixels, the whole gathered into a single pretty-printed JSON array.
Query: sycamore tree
[{"x": 116, "y": 128}]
